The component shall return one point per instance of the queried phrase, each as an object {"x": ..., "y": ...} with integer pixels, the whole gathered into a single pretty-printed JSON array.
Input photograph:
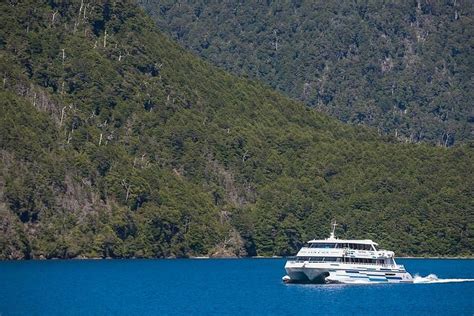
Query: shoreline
[
  {"x": 448, "y": 258},
  {"x": 219, "y": 258}
]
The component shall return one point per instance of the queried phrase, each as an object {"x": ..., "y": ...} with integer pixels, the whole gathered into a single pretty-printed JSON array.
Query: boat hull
[{"x": 306, "y": 272}]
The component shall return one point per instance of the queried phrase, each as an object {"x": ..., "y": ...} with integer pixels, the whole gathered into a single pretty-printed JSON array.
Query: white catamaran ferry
[{"x": 334, "y": 260}]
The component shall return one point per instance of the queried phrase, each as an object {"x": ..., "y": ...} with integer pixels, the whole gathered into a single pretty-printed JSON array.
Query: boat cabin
[{"x": 367, "y": 245}]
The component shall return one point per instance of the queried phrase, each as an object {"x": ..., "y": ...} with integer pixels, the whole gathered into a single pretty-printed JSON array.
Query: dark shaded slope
[
  {"x": 404, "y": 67},
  {"x": 116, "y": 142}
]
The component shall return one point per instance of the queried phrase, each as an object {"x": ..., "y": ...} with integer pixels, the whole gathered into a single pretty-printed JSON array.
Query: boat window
[
  {"x": 359, "y": 260},
  {"x": 302, "y": 258},
  {"x": 364, "y": 247},
  {"x": 323, "y": 245},
  {"x": 356, "y": 246},
  {"x": 316, "y": 259},
  {"x": 324, "y": 259},
  {"x": 330, "y": 259}
]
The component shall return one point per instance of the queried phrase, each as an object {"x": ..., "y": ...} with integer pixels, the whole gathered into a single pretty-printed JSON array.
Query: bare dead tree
[
  {"x": 53, "y": 17},
  {"x": 34, "y": 99},
  {"x": 276, "y": 39},
  {"x": 69, "y": 137},
  {"x": 127, "y": 187},
  {"x": 80, "y": 8},
  {"x": 105, "y": 38},
  {"x": 62, "y": 115},
  {"x": 85, "y": 8},
  {"x": 446, "y": 140},
  {"x": 78, "y": 20}
]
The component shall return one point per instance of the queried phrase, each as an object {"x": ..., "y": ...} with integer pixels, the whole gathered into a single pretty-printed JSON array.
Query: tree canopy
[
  {"x": 116, "y": 142},
  {"x": 402, "y": 67}
]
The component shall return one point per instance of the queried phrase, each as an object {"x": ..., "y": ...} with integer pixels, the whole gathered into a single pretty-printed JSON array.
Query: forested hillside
[
  {"x": 403, "y": 67},
  {"x": 116, "y": 142}
]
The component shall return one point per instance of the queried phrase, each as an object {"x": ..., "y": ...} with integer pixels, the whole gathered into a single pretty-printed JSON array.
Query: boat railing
[{"x": 294, "y": 260}]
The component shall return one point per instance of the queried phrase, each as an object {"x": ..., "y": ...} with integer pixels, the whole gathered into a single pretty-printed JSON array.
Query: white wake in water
[{"x": 433, "y": 278}]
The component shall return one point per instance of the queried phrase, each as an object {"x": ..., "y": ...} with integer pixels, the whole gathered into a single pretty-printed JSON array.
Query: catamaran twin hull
[{"x": 307, "y": 272}]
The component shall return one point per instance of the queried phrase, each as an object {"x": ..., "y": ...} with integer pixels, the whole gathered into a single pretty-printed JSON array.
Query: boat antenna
[{"x": 334, "y": 224}]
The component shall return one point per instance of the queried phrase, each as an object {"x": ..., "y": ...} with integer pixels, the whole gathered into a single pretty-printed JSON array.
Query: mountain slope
[
  {"x": 115, "y": 142},
  {"x": 403, "y": 67}
]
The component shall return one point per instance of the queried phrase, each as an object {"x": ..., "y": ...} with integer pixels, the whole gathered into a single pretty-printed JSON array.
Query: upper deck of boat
[{"x": 343, "y": 241}]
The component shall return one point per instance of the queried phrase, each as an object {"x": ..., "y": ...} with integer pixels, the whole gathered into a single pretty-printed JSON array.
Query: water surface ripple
[{"x": 220, "y": 287}]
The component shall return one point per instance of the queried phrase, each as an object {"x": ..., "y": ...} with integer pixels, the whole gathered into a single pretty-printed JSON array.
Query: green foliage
[
  {"x": 404, "y": 67},
  {"x": 125, "y": 145}
]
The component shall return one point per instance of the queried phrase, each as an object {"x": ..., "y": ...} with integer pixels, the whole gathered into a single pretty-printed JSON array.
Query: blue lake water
[{"x": 219, "y": 287}]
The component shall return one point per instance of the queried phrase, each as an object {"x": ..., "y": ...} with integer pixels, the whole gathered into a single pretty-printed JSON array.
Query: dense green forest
[
  {"x": 402, "y": 67},
  {"x": 116, "y": 142}
]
